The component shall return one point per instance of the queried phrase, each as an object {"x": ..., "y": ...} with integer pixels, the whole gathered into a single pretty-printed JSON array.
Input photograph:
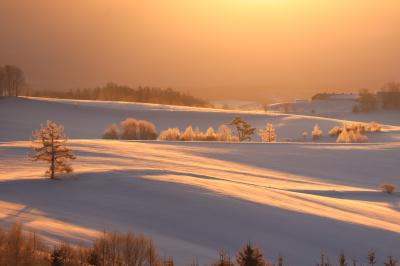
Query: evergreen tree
[
  {"x": 244, "y": 129},
  {"x": 49, "y": 146},
  {"x": 250, "y": 256},
  {"x": 342, "y": 259},
  {"x": 391, "y": 262},
  {"x": 371, "y": 257}
]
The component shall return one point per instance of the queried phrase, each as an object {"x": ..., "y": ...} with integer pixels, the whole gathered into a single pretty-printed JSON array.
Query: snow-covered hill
[
  {"x": 339, "y": 109},
  {"x": 88, "y": 119},
  {"x": 194, "y": 198}
]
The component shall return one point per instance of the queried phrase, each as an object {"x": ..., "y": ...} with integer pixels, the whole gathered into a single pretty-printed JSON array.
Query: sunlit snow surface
[{"x": 193, "y": 199}]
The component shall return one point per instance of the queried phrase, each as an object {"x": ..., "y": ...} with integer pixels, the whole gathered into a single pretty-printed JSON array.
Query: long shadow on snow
[{"x": 124, "y": 200}]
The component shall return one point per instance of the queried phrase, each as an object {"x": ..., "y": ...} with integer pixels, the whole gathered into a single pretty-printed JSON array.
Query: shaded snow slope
[{"x": 196, "y": 198}]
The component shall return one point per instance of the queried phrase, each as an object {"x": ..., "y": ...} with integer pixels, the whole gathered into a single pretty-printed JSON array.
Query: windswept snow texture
[{"x": 195, "y": 198}]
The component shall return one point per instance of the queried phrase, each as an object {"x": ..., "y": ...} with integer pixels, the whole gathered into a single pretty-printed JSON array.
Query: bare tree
[
  {"x": 2, "y": 81},
  {"x": 12, "y": 80},
  {"x": 49, "y": 146}
]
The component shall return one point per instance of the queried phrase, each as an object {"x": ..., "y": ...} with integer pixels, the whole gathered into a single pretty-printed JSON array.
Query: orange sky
[{"x": 248, "y": 49}]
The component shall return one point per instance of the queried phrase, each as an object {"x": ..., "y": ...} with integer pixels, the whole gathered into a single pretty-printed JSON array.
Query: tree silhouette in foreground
[
  {"x": 250, "y": 256},
  {"x": 49, "y": 145}
]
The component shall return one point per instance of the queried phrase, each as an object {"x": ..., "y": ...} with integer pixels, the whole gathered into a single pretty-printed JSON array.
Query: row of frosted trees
[
  {"x": 132, "y": 129},
  {"x": 12, "y": 80}
]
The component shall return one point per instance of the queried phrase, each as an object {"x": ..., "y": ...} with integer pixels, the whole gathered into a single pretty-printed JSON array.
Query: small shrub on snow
[
  {"x": 111, "y": 132},
  {"x": 268, "y": 134},
  {"x": 351, "y": 136},
  {"x": 305, "y": 135},
  {"x": 316, "y": 133},
  {"x": 146, "y": 130},
  {"x": 171, "y": 134},
  {"x": 335, "y": 131},
  {"x": 129, "y": 128},
  {"x": 373, "y": 127},
  {"x": 388, "y": 188},
  {"x": 356, "y": 127},
  {"x": 132, "y": 129}
]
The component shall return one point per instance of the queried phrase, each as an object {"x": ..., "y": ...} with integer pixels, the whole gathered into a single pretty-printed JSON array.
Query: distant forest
[
  {"x": 115, "y": 92},
  {"x": 388, "y": 98}
]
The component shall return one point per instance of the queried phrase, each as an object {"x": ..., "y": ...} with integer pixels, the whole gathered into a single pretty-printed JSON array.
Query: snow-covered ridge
[{"x": 88, "y": 119}]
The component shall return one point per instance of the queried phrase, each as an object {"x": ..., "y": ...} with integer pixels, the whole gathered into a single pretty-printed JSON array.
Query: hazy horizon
[{"x": 238, "y": 49}]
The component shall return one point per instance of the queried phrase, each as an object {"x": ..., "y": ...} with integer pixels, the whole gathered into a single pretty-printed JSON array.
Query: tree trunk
[{"x": 52, "y": 157}]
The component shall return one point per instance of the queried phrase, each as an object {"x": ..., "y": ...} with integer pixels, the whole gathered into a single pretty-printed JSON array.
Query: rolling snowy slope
[
  {"x": 88, "y": 119},
  {"x": 194, "y": 198}
]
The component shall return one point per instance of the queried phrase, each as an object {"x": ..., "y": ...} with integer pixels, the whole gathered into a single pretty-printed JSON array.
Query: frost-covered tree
[
  {"x": 188, "y": 134},
  {"x": 335, "y": 131},
  {"x": 373, "y": 127},
  {"x": 225, "y": 134},
  {"x": 268, "y": 133},
  {"x": 351, "y": 136},
  {"x": 210, "y": 134},
  {"x": 199, "y": 135},
  {"x": 133, "y": 129},
  {"x": 146, "y": 130},
  {"x": 111, "y": 132},
  {"x": 244, "y": 129},
  {"x": 250, "y": 256},
  {"x": 49, "y": 145},
  {"x": 171, "y": 134},
  {"x": 316, "y": 133}
]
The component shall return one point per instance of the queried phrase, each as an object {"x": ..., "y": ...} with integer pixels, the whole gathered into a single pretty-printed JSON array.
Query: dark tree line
[
  {"x": 11, "y": 80},
  {"x": 390, "y": 96},
  {"x": 115, "y": 92},
  {"x": 388, "y": 99}
]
